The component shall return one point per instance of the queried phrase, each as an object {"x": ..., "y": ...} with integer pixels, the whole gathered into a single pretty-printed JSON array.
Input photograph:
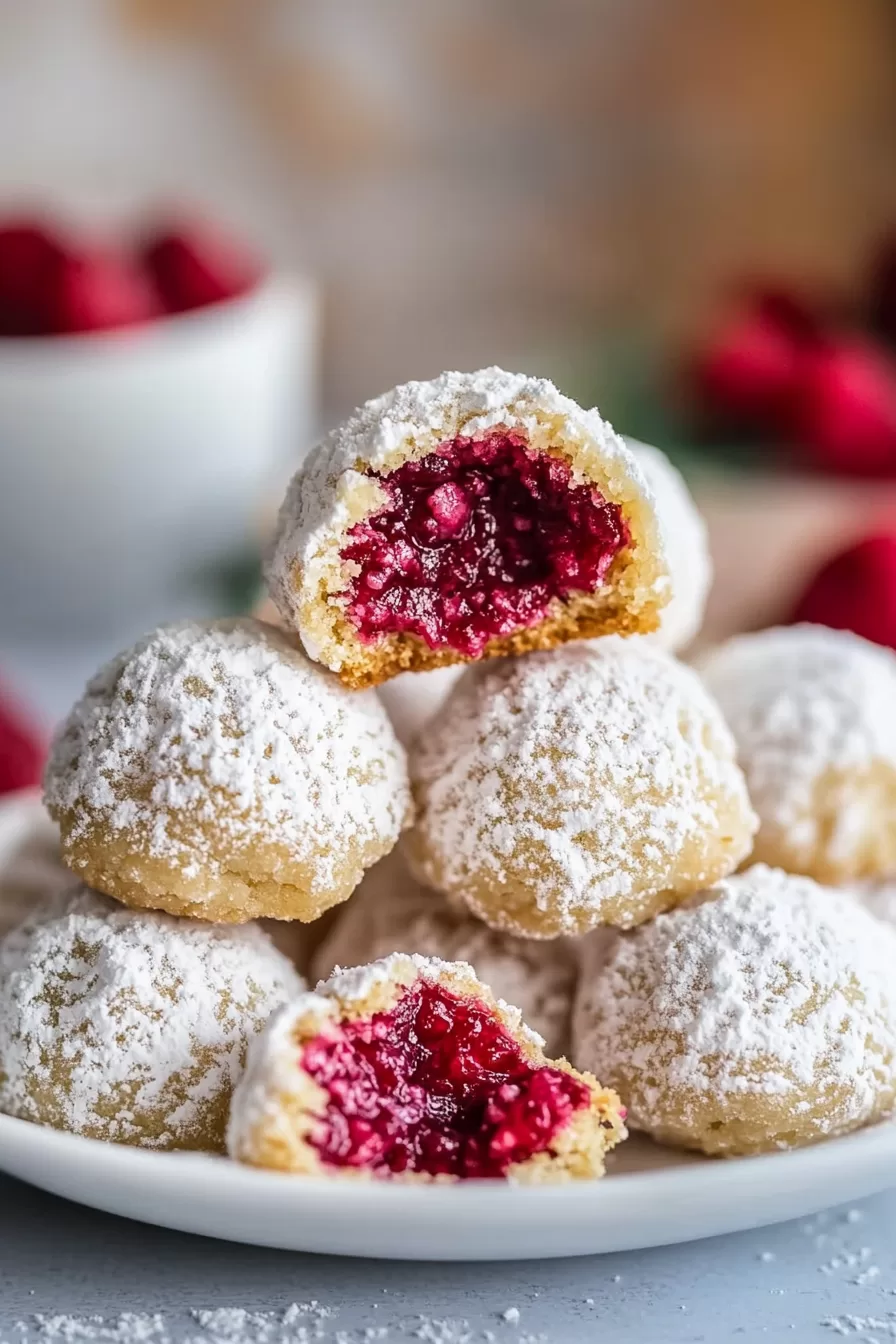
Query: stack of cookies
[{"x": 568, "y": 820}]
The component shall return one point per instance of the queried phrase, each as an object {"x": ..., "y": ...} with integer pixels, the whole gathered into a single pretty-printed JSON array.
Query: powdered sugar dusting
[
  {"x": 804, "y": 702},
  {"x": 130, "y": 1027},
  {"x": 229, "y": 725},
  {"x": 607, "y": 759},
  {"x": 299, "y": 1323},
  {"x": 354, "y": 984},
  {"x": 771, "y": 986}
]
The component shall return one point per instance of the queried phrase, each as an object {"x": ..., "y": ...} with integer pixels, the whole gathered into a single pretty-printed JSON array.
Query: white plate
[
  {"x": 666, "y": 1201},
  {"x": 652, "y": 1196}
]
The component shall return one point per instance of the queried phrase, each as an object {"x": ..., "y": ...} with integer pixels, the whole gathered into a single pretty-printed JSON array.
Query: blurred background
[{"x": 258, "y": 213}]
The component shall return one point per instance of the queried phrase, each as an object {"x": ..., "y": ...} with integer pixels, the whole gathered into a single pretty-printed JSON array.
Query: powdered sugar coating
[
  {"x": 593, "y": 784},
  {"x": 813, "y": 712},
  {"x": 391, "y": 912},
  {"x": 220, "y": 751},
  {"x": 686, "y": 544},
  {"x": 331, "y": 491},
  {"x": 131, "y": 1027},
  {"x": 761, "y": 1015}
]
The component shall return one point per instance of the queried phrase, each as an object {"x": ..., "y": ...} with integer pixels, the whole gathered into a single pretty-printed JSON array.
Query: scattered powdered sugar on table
[
  {"x": 870, "y": 1329},
  {"x": 803, "y": 701},
  {"x": 228, "y": 725},
  {"x": 97, "y": 1002},
  {"x": 300, "y": 1323},
  {"x": 443, "y": 1330},
  {"x": 867, "y": 1327},
  {"x": 606, "y": 758},
  {"x": 128, "y": 1328},
  {"x": 772, "y": 985}
]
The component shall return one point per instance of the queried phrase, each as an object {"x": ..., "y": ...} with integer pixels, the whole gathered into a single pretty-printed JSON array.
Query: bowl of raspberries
[{"x": 151, "y": 387}]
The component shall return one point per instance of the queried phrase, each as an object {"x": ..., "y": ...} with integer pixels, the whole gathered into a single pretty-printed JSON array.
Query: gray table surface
[{"x": 783, "y": 1283}]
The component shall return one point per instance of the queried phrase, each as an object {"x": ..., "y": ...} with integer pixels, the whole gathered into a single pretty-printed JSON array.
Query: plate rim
[{"x": 867, "y": 1145}]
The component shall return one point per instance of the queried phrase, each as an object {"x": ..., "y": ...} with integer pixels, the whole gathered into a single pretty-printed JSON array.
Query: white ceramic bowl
[{"x": 132, "y": 461}]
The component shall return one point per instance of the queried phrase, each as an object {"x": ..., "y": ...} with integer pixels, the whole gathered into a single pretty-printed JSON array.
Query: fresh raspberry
[
  {"x": 844, "y": 417},
  {"x": 193, "y": 266},
  {"x": 856, "y": 590},
  {"x": 21, "y": 751},
  {"x": 30, "y": 257},
  {"x": 747, "y": 372},
  {"x": 100, "y": 290}
]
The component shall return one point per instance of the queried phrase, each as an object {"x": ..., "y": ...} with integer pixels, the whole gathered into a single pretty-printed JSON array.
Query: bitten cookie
[
  {"x": 214, "y": 771},
  {"x": 476, "y": 515},
  {"x": 410, "y": 1068},
  {"x": 761, "y": 1015},
  {"x": 592, "y": 785}
]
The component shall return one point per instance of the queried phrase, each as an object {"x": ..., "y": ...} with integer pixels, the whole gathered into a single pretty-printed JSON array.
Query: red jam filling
[
  {"x": 435, "y": 1085},
  {"x": 475, "y": 541}
]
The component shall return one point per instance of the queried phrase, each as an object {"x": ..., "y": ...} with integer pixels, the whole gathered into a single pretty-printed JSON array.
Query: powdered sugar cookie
[
  {"x": 409, "y": 1067},
  {"x": 391, "y": 912},
  {"x": 593, "y": 785},
  {"x": 760, "y": 1016},
  {"x": 475, "y": 515},
  {"x": 686, "y": 544},
  {"x": 131, "y": 1027},
  {"x": 813, "y": 712},
  {"x": 214, "y": 771}
]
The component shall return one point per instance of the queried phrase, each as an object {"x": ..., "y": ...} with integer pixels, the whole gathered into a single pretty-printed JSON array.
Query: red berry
[
  {"x": 21, "y": 752},
  {"x": 30, "y": 256},
  {"x": 856, "y": 590},
  {"x": 791, "y": 313},
  {"x": 193, "y": 266},
  {"x": 100, "y": 290},
  {"x": 845, "y": 409},
  {"x": 747, "y": 372}
]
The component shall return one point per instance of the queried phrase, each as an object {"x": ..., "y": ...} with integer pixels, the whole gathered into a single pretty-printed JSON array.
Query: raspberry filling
[
  {"x": 475, "y": 541},
  {"x": 435, "y": 1085}
]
